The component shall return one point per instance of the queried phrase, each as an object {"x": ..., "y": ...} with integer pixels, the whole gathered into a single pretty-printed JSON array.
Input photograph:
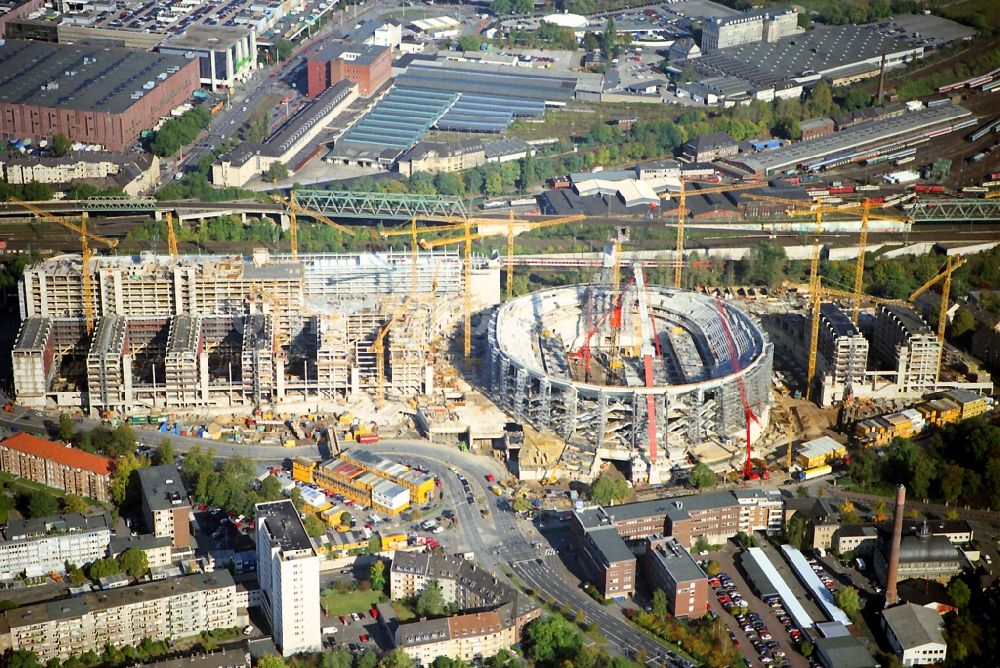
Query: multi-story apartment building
[
  {"x": 671, "y": 568},
  {"x": 288, "y": 573},
  {"x": 497, "y": 613},
  {"x": 607, "y": 537},
  {"x": 56, "y": 465},
  {"x": 169, "y": 609},
  {"x": 165, "y": 504},
  {"x": 39, "y": 546},
  {"x": 903, "y": 343},
  {"x": 843, "y": 350}
]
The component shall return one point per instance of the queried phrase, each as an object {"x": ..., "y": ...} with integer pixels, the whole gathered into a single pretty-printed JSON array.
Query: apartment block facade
[
  {"x": 40, "y": 546},
  {"x": 843, "y": 350},
  {"x": 169, "y": 609},
  {"x": 165, "y": 504},
  {"x": 904, "y": 343},
  {"x": 288, "y": 573},
  {"x": 56, "y": 465}
]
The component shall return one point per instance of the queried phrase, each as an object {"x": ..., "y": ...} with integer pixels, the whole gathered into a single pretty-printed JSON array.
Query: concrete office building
[
  {"x": 226, "y": 56},
  {"x": 169, "y": 609},
  {"x": 165, "y": 504},
  {"x": 762, "y": 25},
  {"x": 842, "y": 353},
  {"x": 161, "y": 320},
  {"x": 36, "y": 547},
  {"x": 288, "y": 573},
  {"x": 670, "y": 567},
  {"x": 369, "y": 66},
  {"x": 904, "y": 343},
  {"x": 56, "y": 465},
  {"x": 92, "y": 95}
]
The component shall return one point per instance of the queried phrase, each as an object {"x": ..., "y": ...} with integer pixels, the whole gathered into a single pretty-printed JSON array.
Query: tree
[
  {"x": 797, "y": 531},
  {"x": 134, "y": 562},
  {"x": 74, "y": 503},
  {"x": 847, "y": 600},
  {"x": 60, "y": 145},
  {"x": 376, "y": 575},
  {"x": 660, "y": 605},
  {"x": 345, "y": 518},
  {"x": 277, "y": 171},
  {"x": 848, "y": 513},
  {"x": 21, "y": 658},
  {"x": 122, "y": 440},
  {"x": 963, "y": 323},
  {"x": 804, "y": 20},
  {"x": 448, "y": 662},
  {"x": 430, "y": 601},
  {"x": 788, "y": 128},
  {"x": 494, "y": 184},
  {"x": 470, "y": 43},
  {"x": 397, "y": 658},
  {"x": 528, "y": 172},
  {"x": 283, "y": 48},
  {"x": 76, "y": 576},
  {"x": 520, "y": 505},
  {"x": 959, "y": 593},
  {"x": 368, "y": 659},
  {"x": 314, "y": 525},
  {"x": 807, "y": 648},
  {"x": 702, "y": 477},
  {"x": 879, "y": 513},
  {"x": 42, "y": 504},
  {"x": 337, "y": 658},
  {"x": 164, "y": 453},
  {"x": 121, "y": 479},
  {"x": 196, "y": 462},
  {"x": 37, "y": 192},
  {"x": 610, "y": 486},
  {"x": 102, "y": 568},
  {"x": 764, "y": 264},
  {"x": 701, "y": 545},
  {"x": 67, "y": 428},
  {"x": 713, "y": 568},
  {"x": 500, "y": 7},
  {"x": 271, "y": 661},
  {"x": 820, "y": 99},
  {"x": 552, "y": 640}
]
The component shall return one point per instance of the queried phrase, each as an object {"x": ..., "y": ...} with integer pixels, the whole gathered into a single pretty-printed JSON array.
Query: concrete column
[
  {"x": 203, "y": 377},
  {"x": 355, "y": 380},
  {"x": 128, "y": 399},
  {"x": 211, "y": 73},
  {"x": 279, "y": 380}
]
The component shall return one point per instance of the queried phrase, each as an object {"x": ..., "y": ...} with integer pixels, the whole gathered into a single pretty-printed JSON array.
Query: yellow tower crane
[
  {"x": 85, "y": 254},
  {"x": 951, "y": 265},
  {"x": 682, "y": 215},
  {"x": 295, "y": 209},
  {"x": 171, "y": 235}
]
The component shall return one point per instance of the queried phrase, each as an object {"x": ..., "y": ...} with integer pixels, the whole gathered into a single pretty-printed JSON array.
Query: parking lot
[{"x": 764, "y": 633}]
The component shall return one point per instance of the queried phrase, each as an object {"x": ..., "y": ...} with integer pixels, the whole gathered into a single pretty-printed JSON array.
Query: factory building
[
  {"x": 200, "y": 330},
  {"x": 92, "y": 95},
  {"x": 762, "y": 25},
  {"x": 288, "y": 573},
  {"x": 226, "y": 56},
  {"x": 904, "y": 343},
  {"x": 369, "y": 66},
  {"x": 842, "y": 353}
]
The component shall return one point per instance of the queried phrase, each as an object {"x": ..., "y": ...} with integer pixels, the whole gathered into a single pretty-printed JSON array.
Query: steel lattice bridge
[
  {"x": 112, "y": 203},
  {"x": 346, "y": 204},
  {"x": 954, "y": 210}
]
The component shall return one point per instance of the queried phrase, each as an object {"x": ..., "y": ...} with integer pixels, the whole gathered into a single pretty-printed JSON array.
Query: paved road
[{"x": 964, "y": 512}]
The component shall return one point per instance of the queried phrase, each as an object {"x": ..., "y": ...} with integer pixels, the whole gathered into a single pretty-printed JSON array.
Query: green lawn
[
  {"x": 20, "y": 484},
  {"x": 335, "y": 603}
]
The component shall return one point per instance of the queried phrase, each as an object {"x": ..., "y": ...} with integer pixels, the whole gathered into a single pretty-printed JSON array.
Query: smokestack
[
  {"x": 891, "y": 598},
  {"x": 881, "y": 81}
]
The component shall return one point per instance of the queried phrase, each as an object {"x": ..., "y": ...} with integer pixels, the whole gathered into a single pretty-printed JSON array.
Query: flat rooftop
[
  {"x": 838, "y": 320},
  {"x": 30, "y": 529},
  {"x": 162, "y": 488},
  {"x": 113, "y": 598},
  {"x": 356, "y": 54},
  {"x": 677, "y": 561},
  {"x": 72, "y": 76},
  {"x": 206, "y": 38},
  {"x": 284, "y": 524}
]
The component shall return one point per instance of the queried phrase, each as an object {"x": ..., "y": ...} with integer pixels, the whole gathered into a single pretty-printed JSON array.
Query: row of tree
[{"x": 180, "y": 131}]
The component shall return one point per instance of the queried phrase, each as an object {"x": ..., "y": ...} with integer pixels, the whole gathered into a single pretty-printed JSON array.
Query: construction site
[
  {"x": 191, "y": 333},
  {"x": 638, "y": 376}
]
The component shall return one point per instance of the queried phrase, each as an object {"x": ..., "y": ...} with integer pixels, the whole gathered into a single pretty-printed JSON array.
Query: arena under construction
[
  {"x": 635, "y": 375},
  {"x": 196, "y": 331}
]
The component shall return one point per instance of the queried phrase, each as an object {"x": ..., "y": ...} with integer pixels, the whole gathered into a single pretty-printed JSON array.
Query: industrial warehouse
[
  {"x": 636, "y": 376},
  {"x": 92, "y": 95},
  {"x": 202, "y": 331}
]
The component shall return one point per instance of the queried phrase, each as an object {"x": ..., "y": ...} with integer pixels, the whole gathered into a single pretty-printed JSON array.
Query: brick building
[
  {"x": 671, "y": 568},
  {"x": 92, "y": 95},
  {"x": 369, "y": 66},
  {"x": 56, "y": 465},
  {"x": 165, "y": 504}
]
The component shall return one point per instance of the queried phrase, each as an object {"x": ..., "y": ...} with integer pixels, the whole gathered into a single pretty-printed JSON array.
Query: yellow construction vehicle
[{"x": 85, "y": 254}]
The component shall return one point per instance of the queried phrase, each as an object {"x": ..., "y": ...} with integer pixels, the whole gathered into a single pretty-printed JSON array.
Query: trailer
[{"x": 814, "y": 472}]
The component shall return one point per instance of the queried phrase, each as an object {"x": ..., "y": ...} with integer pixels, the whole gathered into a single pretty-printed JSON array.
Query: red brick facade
[{"x": 368, "y": 73}]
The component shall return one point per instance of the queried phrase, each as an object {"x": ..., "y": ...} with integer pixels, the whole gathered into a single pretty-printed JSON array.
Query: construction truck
[{"x": 814, "y": 472}]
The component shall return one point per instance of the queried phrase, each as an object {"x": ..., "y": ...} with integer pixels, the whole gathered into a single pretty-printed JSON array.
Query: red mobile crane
[
  {"x": 748, "y": 414},
  {"x": 582, "y": 353}
]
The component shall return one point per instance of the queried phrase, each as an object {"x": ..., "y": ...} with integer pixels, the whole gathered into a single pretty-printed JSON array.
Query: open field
[{"x": 336, "y": 603}]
